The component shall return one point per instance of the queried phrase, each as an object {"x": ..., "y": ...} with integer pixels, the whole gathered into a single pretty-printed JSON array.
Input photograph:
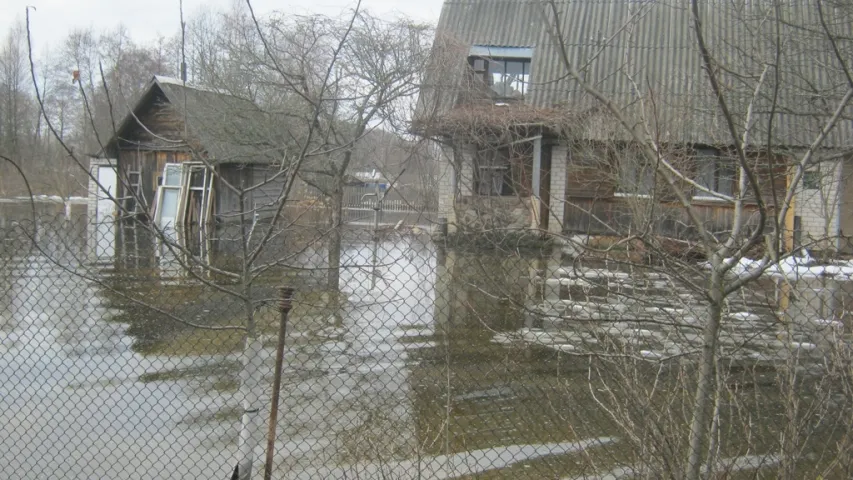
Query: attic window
[{"x": 506, "y": 70}]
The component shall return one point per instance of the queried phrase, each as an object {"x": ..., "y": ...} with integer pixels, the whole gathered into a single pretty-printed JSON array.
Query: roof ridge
[{"x": 167, "y": 80}]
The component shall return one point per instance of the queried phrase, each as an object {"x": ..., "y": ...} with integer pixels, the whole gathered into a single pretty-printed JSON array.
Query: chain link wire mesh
[{"x": 124, "y": 357}]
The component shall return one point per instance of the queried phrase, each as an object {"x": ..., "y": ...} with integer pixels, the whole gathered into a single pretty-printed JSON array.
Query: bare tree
[
  {"x": 713, "y": 221},
  {"x": 318, "y": 85}
]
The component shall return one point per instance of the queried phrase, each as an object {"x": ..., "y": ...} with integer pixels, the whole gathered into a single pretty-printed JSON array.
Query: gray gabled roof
[
  {"x": 644, "y": 55},
  {"x": 225, "y": 127}
]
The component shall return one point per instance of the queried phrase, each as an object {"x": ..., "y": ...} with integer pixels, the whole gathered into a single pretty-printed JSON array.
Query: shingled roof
[
  {"x": 225, "y": 127},
  {"x": 635, "y": 50}
]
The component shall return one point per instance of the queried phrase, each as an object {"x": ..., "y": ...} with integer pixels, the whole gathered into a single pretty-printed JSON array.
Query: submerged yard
[{"x": 431, "y": 363}]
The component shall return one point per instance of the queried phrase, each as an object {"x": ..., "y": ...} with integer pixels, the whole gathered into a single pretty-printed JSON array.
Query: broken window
[{"x": 714, "y": 172}]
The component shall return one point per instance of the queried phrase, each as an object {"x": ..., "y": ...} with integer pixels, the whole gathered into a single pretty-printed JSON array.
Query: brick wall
[
  {"x": 449, "y": 193},
  {"x": 559, "y": 165},
  {"x": 818, "y": 208},
  {"x": 446, "y": 188}
]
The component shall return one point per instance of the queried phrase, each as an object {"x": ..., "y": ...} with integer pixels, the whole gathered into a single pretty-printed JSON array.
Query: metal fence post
[{"x": 284, "y": 305}]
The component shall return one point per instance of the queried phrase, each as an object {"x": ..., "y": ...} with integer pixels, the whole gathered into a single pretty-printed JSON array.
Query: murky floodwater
[{"x": 431, "y": 364}]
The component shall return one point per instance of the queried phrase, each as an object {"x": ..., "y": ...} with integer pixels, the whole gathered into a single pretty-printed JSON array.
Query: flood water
[{"x": 433, "y": 363}]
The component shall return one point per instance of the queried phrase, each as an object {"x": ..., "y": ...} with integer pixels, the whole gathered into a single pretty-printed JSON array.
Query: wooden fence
[{"x": 619, "y": 216}]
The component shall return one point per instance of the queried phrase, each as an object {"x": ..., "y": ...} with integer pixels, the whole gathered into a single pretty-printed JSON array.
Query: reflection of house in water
[
  {"x": 473, "y": 393},
  {"x": 521, "y": 346}
]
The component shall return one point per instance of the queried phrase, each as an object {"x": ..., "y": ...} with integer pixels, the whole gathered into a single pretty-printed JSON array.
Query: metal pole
[
  {"x": 376, "y": 208},
  {"x": 285, "y": 302}
]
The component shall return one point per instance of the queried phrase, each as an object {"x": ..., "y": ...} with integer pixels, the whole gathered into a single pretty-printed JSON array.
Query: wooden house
[
  {"x": 528, "y": 147},
  {"x": 184, "y": 154}
]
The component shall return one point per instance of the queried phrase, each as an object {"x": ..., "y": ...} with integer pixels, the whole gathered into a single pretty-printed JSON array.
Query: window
[
  {"x": 714, "y": 172},
  {"x": 184, "y": 197},
  {"x": 811, "y": 179},
  {"x": 636, "y": 175},
  {"x": 504, "y": 171},
  {"x": 506, "y": 70},
  {"x": 168, "y": 195}
]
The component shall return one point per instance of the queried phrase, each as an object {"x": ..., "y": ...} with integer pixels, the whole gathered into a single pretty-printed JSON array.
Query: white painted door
[{"x": 108, "y": 181}]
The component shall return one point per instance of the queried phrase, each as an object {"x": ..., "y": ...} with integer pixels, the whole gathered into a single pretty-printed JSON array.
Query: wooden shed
[{"x": 184, "y": 153}]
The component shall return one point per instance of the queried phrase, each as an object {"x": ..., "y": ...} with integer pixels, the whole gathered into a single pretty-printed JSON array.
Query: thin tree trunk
[
  {"x": 706, "y": 380},
  {"x": 790, "y": 433},
  {"x": 334, "y": 257},
  {"x": 251, "y": 383},
  {"x": 252, "y": 374}
]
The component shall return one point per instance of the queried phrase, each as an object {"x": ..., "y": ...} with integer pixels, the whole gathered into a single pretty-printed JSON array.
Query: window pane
[
  {"x": 169, "y": 206},
  {"x": 497, "y": 185},
  {"x": 496, "y": 77},
  {"x": 516, "y": 79},
  {"x": 636, "y": 177},
  {"x": 706, "y": 170},
  {"x": 647, "y": 180},
  {"x": 173, "y": 175},
  {"x": 197, "y": 177},
  {"x": 726, "y": 176},
  {"x": 492, "y": 172},
  {"x": 627, "y": 174},
  {"x": 811, "y": 179}
]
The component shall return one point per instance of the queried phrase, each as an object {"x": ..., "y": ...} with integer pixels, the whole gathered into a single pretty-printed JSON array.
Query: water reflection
[
  {"x": 462, "y": 361},
  {"x": 69, "y": 387}
]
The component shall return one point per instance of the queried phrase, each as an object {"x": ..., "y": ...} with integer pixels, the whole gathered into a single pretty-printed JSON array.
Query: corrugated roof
[
  {"x": 230, "y": 129},
  {"x": 628, "y": 46}
]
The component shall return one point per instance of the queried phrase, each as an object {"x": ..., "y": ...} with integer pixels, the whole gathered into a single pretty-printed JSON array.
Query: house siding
[{"x": 227, "y": 202}]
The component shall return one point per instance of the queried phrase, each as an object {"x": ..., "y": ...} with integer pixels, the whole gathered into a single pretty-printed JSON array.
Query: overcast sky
[{"x": 146, "y": 19}]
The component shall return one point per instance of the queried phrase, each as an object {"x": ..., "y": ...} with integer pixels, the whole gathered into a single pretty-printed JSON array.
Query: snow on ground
[
  {"x": 723, "y": 465},
  {"x": 44, "y": 198},
  {"x": 449, "y": 466},
  {"x": 795, "y": 267}
]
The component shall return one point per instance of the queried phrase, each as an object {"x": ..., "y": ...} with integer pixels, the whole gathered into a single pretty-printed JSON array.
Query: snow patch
[{"x": 793, "y": 267}]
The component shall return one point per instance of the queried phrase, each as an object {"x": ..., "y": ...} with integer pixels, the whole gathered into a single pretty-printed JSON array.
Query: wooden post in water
[{"x": 284, "y": 305}]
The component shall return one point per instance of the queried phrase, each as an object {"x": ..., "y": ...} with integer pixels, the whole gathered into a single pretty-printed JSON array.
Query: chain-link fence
[{"x": 125, "y": 355}]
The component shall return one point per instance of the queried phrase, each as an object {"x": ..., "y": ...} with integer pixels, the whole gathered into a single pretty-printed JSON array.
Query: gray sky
[{"x": 145, "y": 19}]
